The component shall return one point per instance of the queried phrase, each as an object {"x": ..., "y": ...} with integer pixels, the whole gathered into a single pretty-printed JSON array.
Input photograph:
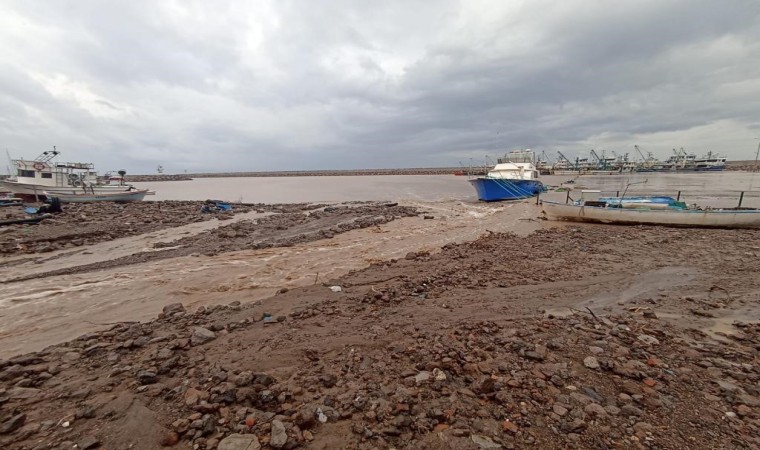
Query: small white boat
[
  {"x": 695, "y": 218},
  {"x": 82, "y": 197}
]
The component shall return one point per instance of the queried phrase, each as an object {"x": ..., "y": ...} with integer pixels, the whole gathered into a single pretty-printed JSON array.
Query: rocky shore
[
  {"x": 82, "y": 224},
  {"x": 574, "y": 337}
]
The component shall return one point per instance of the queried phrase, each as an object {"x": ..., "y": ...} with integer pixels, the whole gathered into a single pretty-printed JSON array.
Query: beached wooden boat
[
  {"x": 711, "y": 218},
  {"x": 127, "y": 196}
]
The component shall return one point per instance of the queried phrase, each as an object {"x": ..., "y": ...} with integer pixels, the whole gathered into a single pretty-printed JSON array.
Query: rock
[
  {"x": 574, "y": 426},
  {"x": 630, "y": 410},
  {"x": 70, "y": 357},
  {"x": 591, "y": 362},
  {"x": 484, "y": 385},
  {"x": 170, "y": 439},
  {"x": 648, "y": 340},
  {"x": 85, "y": 412},
  {"x": 240, "y": 442},
  {"x": 595, "y": 409},
  {"x": 81, "y": 393},
  {"x": 510, "y": 426},
  {"x": 201, "y": 335},
  {"x": 244, "y": 378},
  {"x": 18, "y": 393},
  {"x": 559, "y": 410},
  {"x": 173, "y": 308},
  {"x": 278, "y": 437},
  {"x": 146, "y": 377},
  {"x": 535, "y": 356},
  {"x": 88, "y": 442},
  {"x": 328, "y": 380},
  {"x": 422, "y": 377},
  {"x": 642, "y": 429},
  {"x": 12, "y": 424},
  {"x": 484, "y": 441}
]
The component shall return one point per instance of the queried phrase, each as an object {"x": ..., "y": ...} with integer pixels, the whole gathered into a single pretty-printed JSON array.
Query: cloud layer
[{"x": 278, "y": 85}]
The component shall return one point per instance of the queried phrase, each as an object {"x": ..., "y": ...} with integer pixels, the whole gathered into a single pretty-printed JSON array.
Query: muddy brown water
[
  {"x": 41, "y": 312},
  {"x": 707, "y": 189}
]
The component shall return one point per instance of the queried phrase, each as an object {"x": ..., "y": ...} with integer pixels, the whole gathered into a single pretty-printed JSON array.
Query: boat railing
[
  {"x": 76, "y": 166},
  {"x": 749, "y": 198}
]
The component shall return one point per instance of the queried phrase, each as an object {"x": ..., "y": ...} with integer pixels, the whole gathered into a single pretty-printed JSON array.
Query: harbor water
[{"x": 718, "y": 189}]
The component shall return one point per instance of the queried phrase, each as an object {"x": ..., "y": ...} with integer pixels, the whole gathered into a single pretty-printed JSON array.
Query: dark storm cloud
[{"x": 242, "y": 85}]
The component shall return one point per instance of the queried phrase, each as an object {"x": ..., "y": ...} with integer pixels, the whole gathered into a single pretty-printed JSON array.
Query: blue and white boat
[{"x": 509, "y": 180}]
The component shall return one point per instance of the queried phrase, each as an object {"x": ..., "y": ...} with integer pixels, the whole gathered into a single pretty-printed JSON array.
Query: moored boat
[
  {"x": 80, "y": 197},
  {"x": 675, "y": 214},
  {"x": 46, "y": 174},
  {"x": 513, "y": 178}
]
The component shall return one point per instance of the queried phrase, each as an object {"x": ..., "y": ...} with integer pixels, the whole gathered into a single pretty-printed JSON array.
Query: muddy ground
[
  {"x": 284, "y": 226},
  {"x": 82, "y": 224},
  {"x": 580, "y": 337}
]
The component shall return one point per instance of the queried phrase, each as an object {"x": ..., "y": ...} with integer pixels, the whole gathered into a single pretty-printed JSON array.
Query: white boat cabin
[
  {"x": 514, "y": 171},
  {"x": 54, "y": 174}
]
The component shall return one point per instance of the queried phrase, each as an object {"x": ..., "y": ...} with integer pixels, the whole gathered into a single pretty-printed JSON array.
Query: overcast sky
[{"x": 260, "y": 85}]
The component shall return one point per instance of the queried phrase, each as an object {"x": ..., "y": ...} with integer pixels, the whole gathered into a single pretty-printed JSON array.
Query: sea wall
[{"x": 308, "y": 173}]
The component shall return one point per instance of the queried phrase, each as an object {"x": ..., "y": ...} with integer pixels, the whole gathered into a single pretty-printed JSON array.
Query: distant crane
[
  {"x": 643, "y": 159},
  {"x": 562, "y": 157}
]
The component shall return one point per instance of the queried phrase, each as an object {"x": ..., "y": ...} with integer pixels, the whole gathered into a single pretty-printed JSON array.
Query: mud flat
[{"x": 557, "y": 337}]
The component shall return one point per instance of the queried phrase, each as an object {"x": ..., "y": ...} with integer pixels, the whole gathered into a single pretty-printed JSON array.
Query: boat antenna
[{"x": 620, "y": 200}]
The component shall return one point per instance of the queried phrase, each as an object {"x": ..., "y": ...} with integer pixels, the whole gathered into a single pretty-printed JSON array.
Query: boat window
[
  {"x": 47, "y": 175},
  {"x": 26, "y": 173}
]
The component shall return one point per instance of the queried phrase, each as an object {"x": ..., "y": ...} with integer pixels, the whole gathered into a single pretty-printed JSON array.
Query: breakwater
[{"x": 310, "y": 173}]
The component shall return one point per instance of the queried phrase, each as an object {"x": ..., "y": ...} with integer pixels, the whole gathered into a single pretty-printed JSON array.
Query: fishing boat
[
  {"x": 135, "y": 195},
  {"x": 662, "y": 210},
  {"x": 45, "y": 174},
  {"x": 514, "y": 177}
]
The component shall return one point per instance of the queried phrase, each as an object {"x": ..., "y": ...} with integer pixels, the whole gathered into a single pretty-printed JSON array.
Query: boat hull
[
  {"x": 131, "y": 196},
  {"x": 34, "y": 191},
  {"x": 497, "y": 189},
  {"x": 673, "y": 217}
]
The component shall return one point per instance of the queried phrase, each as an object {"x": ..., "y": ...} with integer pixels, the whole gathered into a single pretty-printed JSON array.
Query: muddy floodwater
[{"x": 708, "y": 189}]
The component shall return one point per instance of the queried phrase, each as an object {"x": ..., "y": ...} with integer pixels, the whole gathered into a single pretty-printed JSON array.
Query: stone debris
[
  {"x": 240, "y": 442},
  {"x": 379, "y": 367},
  {"x": 201, "y": 335}
]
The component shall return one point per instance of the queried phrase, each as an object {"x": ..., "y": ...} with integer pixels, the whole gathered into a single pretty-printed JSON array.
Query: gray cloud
[{"x": 296, "y": 85}]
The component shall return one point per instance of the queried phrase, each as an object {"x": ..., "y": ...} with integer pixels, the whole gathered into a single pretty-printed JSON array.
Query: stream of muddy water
[
  {"x": 48, "y": 310},
  {"x": 39, "y": 312}
]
